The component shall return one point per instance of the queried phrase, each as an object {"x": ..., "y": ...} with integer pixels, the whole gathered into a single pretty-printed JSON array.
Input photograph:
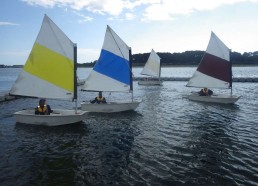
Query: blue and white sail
[{"x": 112, "y": 71}]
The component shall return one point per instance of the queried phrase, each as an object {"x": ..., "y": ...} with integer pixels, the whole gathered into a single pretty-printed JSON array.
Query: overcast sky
[{"x": 164, "y": 25}]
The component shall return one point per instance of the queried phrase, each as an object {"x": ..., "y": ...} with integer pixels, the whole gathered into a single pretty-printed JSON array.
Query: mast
[
  {"x": 230, "y": 72},
  {"x": 131, "y": 73},
  {"x": 159, "y": 68},
  {"x": 75, "y": 76}
]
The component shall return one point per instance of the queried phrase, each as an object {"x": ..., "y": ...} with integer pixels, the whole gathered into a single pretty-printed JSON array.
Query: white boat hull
[
  {"x": 150, "y": 82},
  {"x": 216, "y": 98},
  {"x": 58, "y": 117},
  {"x": 110, "y": 107}
]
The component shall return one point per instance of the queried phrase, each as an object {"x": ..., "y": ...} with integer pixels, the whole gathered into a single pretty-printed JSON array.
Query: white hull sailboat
[
  {"x": 215, "y": 98},
  {"x": 50, "y": 72},
  {"x": 214, "y": 71},
  {"x": 58, "y": 117},
  {"x": 112, "y": 73},
  {"x": 152, "y": 69},
  {"x": 110, "y": 106}
]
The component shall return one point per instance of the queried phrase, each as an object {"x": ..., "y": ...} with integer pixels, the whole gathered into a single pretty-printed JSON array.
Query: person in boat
[
  {"x": 43, "y": 108},
  {"x": 205, "y": 92},
  {"x": 99, "y": 99}
]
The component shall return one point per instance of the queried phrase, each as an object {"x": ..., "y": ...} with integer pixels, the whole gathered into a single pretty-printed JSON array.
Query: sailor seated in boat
[
  {"x": 43, "y": 108},
  {"x": 205, "y": 92},
  {"x": 99, "y": 99}
]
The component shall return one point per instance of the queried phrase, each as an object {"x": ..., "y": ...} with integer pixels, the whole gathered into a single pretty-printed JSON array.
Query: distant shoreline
[
  {"x": 183, "y": 59},
  {"x": 190, "y": 65},
  {"x": 140, "y": 66},
  {"x": 164, "y": 66}
]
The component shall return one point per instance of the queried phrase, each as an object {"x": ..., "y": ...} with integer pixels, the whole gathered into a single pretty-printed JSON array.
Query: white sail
[
  {"x": 214, "y": 71},
  {"x": 152, "y": 66},
  {"x": 112, "y": 71},
  {"x": 49, "y": 70}
]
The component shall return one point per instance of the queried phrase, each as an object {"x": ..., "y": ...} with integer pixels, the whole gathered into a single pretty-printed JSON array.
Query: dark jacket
[{"x": 208, "y": 93}]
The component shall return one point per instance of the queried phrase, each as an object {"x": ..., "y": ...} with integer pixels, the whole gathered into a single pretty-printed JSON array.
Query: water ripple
[{"x": 168, "y": 140}]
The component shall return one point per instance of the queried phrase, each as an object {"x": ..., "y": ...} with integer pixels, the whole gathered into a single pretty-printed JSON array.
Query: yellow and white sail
[{"x": 49, "y": 70}]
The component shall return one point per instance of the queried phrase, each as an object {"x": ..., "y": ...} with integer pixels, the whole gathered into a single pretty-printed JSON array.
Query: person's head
[
  {"x": 205, "y": 89},
  {"x": 42, "y": 102},
  {"x": 100, "y": 94}
]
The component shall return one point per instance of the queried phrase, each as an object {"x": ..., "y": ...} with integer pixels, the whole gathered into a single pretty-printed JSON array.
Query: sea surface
[{"x": 167, "y": 140}]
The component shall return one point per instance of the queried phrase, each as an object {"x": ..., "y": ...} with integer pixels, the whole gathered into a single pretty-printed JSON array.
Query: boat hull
[
  {"x": 110, "y": 107},
  {"x": 216, "y": 98},
  {"x": 58, "y": 117},
  {"x": 149, "y": 82}
]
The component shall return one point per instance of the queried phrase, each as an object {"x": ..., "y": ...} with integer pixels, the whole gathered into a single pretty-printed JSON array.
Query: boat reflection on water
[
  {"x": 46, "y": 155},
  {"x": 76, "y": 153}
]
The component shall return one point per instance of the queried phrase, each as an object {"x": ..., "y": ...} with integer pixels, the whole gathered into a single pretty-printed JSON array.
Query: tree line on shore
[
  {"x": 188, "y": 58},
  {"x": 183, "y": 58}
]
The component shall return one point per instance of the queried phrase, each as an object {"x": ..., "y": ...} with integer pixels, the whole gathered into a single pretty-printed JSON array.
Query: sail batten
[
  {"x": 214, "y": 70},
  {"x": 42, "y": 75},
  {"x": 112, "y": 70},
  {"x": 152, "y": 66}
]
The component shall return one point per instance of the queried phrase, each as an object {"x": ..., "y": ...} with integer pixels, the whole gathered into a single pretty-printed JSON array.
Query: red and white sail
[{"x": 214, "y": 71}]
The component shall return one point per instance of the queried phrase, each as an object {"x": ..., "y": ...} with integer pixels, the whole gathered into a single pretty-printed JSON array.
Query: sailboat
[
  {"x": 111, "y": 73},
  {"x": 152, "y": 68},
  {"x": 50, "y": 72},
  {"x": 214, "y": 71}
]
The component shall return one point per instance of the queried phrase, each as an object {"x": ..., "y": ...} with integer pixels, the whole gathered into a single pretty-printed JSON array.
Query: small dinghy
[
  {"x": 214, "y": 71},
  {"x": 50, "y": 72}
]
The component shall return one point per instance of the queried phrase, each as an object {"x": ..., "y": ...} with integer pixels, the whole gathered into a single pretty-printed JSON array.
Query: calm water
[{"x": 167, "y": 140}]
